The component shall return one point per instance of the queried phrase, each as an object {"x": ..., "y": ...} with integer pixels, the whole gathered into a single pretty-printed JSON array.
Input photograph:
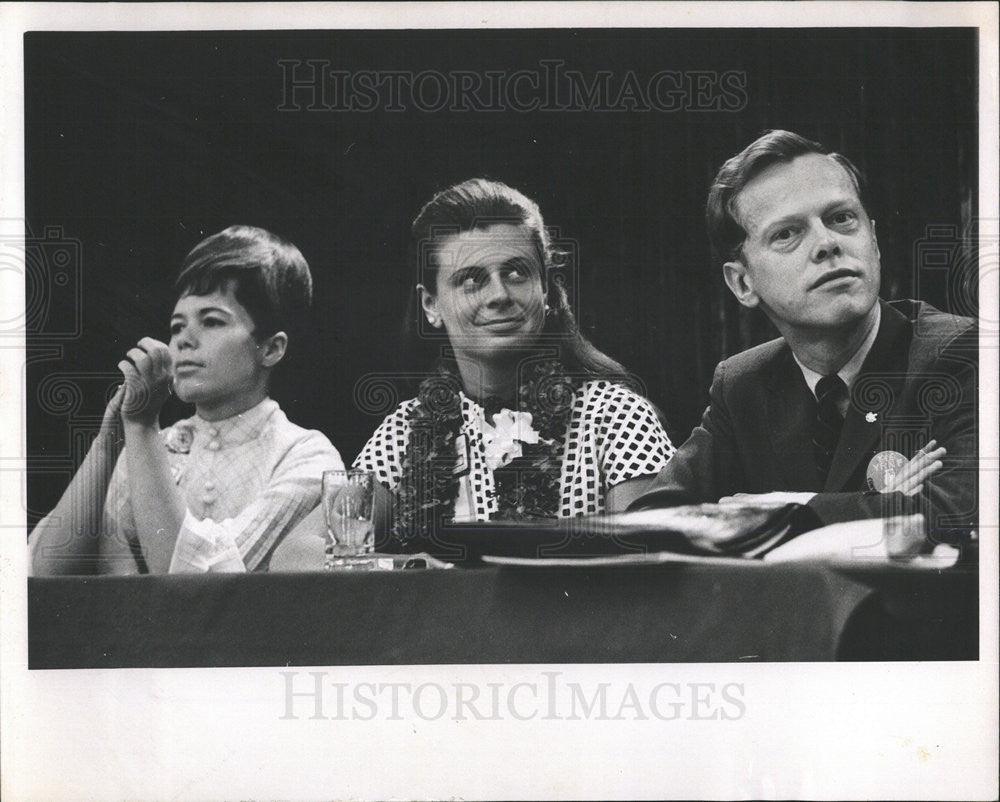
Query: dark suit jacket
[{"x": 919, "y": 382}]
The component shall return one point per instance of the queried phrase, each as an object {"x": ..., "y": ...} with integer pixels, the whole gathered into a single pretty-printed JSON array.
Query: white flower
[{"x": 504, "y": 438}]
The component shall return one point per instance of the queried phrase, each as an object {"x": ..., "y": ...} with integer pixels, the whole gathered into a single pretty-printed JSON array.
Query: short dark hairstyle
[
  {"x": 726, "y": 234},
  {"x": 271, "y": 277}
]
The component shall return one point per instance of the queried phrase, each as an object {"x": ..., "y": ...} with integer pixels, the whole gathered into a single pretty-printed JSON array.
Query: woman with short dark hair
[{"x": 219, "y": 490}]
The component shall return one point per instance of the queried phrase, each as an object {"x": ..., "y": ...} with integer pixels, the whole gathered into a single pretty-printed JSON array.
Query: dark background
[{"x": 139, "y": 145}]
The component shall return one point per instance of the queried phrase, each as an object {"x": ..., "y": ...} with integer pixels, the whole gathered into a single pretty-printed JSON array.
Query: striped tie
[{"x": 829, "y": 391}]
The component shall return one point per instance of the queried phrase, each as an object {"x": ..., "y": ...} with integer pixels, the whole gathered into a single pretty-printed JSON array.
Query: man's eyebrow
[
  {"x": 846, "y": 200},
  {"x": 784, "y": 220},
  {"x": 791, "y": 217}
]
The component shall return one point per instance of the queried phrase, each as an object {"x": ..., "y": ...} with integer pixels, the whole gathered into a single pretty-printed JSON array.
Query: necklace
[{"x": 526, "y": 487}]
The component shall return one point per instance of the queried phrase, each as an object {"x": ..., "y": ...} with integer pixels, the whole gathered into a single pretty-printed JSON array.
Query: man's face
[{"x": 810, "y": 259}]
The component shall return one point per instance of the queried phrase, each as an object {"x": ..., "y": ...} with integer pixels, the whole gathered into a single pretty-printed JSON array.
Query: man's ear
[
  {"x": 428, "y": 302},
  {"x": 272, "y": 350},
  {"x": 739, "y": 281},
  {"x": 875, "y": 240}
]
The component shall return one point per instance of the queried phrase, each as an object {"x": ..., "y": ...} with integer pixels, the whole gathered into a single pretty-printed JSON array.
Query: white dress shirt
[{"x": 851, "y": 369}]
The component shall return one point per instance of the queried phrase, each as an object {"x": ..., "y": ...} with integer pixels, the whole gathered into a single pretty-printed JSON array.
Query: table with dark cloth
[{"x": 654, "y": 613}]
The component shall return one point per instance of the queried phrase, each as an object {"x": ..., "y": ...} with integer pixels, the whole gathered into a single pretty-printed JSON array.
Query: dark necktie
[{"x": 829, "y": 391}]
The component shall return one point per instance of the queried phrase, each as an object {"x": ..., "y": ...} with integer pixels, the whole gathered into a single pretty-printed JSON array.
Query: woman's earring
[
  {"x": 548, "y": 310},
  {"x": 432, "y": 320}
]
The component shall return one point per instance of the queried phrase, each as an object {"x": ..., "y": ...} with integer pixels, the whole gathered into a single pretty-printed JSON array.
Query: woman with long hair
[{"x": 520, "y": 416}]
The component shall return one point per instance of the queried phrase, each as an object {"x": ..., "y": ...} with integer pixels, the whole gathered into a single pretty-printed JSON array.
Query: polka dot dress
[{"x": 613, "y": 435}]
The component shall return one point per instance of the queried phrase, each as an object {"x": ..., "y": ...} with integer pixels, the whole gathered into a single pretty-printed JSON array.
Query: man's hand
[
  {"x": 909, "y": 480},
  {"x": 148, "y": 371},
  {"x": 924, "y": 463}
]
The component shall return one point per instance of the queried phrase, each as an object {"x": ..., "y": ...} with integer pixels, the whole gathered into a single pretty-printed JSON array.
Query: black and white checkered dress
[{"x": 613, "y": 435}]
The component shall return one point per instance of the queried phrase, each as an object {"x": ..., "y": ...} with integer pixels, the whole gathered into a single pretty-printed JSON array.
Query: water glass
[{"x": 348, "y": 504}]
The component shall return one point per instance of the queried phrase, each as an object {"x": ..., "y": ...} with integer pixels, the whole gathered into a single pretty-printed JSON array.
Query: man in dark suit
[{"x": 862, "y": 408}]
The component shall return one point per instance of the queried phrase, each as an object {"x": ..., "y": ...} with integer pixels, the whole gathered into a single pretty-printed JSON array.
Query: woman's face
[
  {"x": 217, "y": 360},
  {"x": 489, "y": 295}
]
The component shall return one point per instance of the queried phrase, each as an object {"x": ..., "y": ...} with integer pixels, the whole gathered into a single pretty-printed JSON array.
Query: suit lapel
[
  {"x": 855, "y": 442},
  {"x": 791, "y": 414},
  {"x": 875, "y": 391}
]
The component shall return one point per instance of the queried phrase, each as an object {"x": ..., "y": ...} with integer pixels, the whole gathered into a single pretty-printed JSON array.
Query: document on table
[{"x": 895, "y": 543}]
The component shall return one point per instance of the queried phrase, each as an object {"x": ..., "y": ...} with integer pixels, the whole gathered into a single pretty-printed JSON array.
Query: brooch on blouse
[{"x": 178, "y": 438}]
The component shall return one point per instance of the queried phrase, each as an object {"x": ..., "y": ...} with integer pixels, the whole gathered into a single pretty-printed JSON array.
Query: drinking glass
[{"x": 347, "y": 507}]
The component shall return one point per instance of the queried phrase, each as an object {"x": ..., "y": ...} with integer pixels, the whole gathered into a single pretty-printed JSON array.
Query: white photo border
[{"x": 920, "y": 731}]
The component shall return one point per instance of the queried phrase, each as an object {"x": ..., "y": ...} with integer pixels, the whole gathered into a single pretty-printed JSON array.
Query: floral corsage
[{"x": 505, "y": 439}]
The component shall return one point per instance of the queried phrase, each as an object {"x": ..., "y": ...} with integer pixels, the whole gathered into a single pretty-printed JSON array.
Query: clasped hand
[
  {"x": 909, "y": 481},
  {"x": 148, "y": 371}
]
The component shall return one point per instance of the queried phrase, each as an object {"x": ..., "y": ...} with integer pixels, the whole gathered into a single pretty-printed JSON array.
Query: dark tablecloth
[{"x": 667, "y": 613}]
